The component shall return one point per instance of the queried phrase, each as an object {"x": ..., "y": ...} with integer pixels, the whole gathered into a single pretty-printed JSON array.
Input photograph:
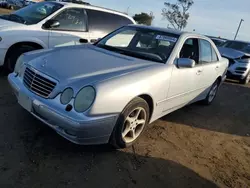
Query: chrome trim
[
  {"x": 38, "y": 83},
  {"x": 179, "y": 95}
]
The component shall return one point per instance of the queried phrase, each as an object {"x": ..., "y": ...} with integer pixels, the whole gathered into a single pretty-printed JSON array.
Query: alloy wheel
[
  {"x": 212, "y": 93},
  {"x": 134, "y": 125}
]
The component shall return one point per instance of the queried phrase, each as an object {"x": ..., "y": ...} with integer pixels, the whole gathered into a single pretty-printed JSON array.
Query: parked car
[
  {"x": 49, "y": 24},
  {"x": 14, "y": 4},
  {"x": 238, "y": 53},
  {"x": 109, "y": 91},
  {"x": 218, "y": 41},
  {"x": 3, "y": 3}
]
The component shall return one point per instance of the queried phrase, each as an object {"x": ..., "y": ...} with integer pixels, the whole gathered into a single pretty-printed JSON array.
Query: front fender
[{"x": 113, "y": 95}]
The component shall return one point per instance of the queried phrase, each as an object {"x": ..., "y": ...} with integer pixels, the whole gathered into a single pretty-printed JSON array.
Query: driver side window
[
  {"x": 190, "y": 50},
  {"x": 72, "y": 19}
]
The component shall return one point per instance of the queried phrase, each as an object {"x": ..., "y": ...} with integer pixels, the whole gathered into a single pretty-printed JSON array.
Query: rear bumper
[{"x": 79, "y": 130}]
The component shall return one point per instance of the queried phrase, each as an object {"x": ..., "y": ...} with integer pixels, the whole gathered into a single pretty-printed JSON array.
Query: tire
[
  {"x": 245, "y": 80},
  {"x": 129, "y": 128},
  {"x": 212, "y": 93},
  {"x": 13, "y": 55}
]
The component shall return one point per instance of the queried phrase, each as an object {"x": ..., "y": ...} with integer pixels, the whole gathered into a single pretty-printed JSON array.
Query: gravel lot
[{"x": 194, "y": 147}]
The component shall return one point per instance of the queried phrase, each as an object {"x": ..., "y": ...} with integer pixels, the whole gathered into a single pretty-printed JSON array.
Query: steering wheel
[{"x": 162, "y": 55}]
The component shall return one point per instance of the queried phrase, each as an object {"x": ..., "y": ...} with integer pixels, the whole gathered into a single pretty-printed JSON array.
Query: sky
[{"x": 210, "y": 17}]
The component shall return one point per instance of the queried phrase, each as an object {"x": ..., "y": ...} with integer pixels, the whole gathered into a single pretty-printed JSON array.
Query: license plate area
[{"x": 25, "y": 101}]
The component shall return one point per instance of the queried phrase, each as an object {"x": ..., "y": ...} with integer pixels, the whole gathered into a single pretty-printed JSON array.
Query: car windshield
[
  {"x": 34, "y": 13},
  {"x": 236, "y": 45},
  {"x": 141, "y": 43}
]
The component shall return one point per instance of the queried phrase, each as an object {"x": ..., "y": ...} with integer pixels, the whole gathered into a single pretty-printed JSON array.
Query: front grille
[
  {"x": 37, "y": 83},
  {"x": 241, "y": 69}
]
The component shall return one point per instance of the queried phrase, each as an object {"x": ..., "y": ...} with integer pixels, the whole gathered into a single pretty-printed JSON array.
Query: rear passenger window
[
  {"x": 105, "y": 22},
  {"x": 205, "y": 52}
]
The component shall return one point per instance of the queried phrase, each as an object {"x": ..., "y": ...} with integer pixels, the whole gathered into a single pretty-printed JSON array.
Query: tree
[
  {"x": 177, "y": 13},
  {"x": 144, "y": 18}
]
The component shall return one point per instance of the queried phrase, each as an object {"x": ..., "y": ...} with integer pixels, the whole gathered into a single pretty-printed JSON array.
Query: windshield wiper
[{"x": 141, "y": 55}]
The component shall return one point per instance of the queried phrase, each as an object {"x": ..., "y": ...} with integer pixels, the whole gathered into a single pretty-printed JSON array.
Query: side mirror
[
  {"x": 51, "y": 24},
  {"x": 83, "y": 41},
  {"x": 185, "y": 63}
]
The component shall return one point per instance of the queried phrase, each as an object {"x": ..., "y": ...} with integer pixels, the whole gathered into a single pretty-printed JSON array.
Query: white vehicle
[{"x": 49, "y": 24}]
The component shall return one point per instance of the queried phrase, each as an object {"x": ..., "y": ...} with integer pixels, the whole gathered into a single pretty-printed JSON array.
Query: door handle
[
  {"x": 199, "y": 72},
  {"x": 217, "y": 67}
]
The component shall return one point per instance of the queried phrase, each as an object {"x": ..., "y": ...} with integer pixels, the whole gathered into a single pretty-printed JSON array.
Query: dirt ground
[{"x": 194, "y": 147}]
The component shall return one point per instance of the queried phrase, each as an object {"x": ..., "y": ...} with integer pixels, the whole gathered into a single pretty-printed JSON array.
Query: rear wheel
[
  {"x": 14, "y": 54},
  {"x": 246, "y": 80},
  {"x": 212, "y": 93},
  {"x": 130, "y": 124}
]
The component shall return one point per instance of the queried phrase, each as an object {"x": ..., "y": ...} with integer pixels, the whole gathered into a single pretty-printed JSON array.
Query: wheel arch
[
  {"x": 19, "y": 44},
  {"x": 150, "y": 103}
]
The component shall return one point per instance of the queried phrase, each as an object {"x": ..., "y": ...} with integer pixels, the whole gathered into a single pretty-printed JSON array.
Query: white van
[{"x": 50, "y": 24}]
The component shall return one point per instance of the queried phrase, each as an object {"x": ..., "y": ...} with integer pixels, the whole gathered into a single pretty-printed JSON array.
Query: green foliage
[
  {"x": 177, "y": 13},
  {"x": 144, "y": 18}
]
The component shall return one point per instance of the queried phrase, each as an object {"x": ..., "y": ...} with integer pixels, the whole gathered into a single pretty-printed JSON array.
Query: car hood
[
  {"x": 5, "y": 24},
  {"x": 231, "y": 53},
  {"x": 87, "y": 63}
]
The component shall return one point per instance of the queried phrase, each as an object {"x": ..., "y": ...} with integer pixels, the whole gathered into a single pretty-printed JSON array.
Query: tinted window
[
  {"x": 214, "y": 55},
  {"x": 205, "y": 51},
  {"x": 105, "y": 22},
  {"x": 72, "y": 19},
  {"x": 190, "y": 50}
]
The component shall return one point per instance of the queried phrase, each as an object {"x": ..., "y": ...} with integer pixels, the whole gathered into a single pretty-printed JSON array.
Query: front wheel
[
  {"x": 130, "y": 124},
  {"x": 212, "y": 93}
]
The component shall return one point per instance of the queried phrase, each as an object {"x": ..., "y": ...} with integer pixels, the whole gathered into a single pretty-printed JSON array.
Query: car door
[
  {"x": 210, "y": 63},
  {"x": 73, "y": 26},
  {"x": 102, "y": 23},
  {"x": 185, "y": 82}
]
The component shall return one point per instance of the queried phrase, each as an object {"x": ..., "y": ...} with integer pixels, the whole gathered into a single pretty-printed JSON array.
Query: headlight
[
  {"x": 84, "y": 99},
  {"x": 66, "y": 96},
  {"x": 19, "y": 64}
]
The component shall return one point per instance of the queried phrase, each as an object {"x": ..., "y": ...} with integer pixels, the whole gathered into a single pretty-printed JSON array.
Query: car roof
[
  {"x": 173, "y": 31},
  {"x": 219, "y": 39},
  {"x": 89, "y": 6},
  {"x": 239, "y": 41}
]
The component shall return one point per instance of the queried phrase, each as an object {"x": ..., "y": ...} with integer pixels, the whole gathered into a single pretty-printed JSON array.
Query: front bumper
[
  {"x": 79, "y": 129},
  {"x": 233, "y": 76},
  {"x": 238, "y": 71}
]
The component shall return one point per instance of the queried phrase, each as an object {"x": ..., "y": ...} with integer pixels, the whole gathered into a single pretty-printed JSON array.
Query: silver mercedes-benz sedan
[{"x": 109, "y": 91}]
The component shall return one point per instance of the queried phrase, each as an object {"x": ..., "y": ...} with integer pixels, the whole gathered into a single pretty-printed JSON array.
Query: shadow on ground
[
  {"x": 50, "y": 161},
  {"x": 229, "y": 113}
]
